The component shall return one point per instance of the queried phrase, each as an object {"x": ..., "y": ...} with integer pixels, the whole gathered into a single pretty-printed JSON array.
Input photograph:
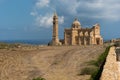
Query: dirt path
[{"x": 52, "y": 63}]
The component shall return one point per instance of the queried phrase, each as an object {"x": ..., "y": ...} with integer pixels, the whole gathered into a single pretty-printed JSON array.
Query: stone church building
[{"x": 76, "y": 35}]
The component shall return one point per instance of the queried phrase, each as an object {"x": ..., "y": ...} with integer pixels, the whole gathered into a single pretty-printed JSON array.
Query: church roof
[{"x": 76, "y": 22}]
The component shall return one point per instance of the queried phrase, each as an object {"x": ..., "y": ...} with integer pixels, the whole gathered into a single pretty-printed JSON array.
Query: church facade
[{"x": 76, "y": 35}]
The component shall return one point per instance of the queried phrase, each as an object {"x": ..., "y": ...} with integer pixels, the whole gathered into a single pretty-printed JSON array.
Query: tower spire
[{"x": 55, "y": 14}]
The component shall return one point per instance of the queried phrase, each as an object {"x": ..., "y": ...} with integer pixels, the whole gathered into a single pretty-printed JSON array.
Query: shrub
[
  {"x": 92, "y": 62},
  {"x": 93, "y": 76},
  {"x": 100, "y": 63},
  {"x": 39, "y": 78},
  {"x": 8, "y": 45},
  {"x": 88, "y": 70},
  {"x": 102, "y": 57}
]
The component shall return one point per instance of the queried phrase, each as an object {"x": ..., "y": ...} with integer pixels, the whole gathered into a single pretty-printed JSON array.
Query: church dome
[{"x": 76, "y": 24}]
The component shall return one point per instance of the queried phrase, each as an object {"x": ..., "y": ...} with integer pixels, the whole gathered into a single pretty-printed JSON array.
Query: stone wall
[{"x": 110, "y": 70}]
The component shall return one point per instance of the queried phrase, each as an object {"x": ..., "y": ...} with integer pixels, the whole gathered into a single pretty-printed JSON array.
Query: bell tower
[{"x": 55, "y": 39}]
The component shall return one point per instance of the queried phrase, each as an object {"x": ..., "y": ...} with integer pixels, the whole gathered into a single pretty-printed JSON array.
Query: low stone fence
[{"x": 110, "y": 70}]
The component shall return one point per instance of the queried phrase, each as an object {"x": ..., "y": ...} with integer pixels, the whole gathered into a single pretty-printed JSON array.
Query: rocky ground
[{"x": 52, "y": 63}]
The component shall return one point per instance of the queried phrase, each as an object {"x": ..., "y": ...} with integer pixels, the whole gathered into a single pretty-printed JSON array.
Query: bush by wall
[
  {"x": 100, "y": 63},
  {"x": 39, "y": 78},
  {"x": 97, "y": 66}
]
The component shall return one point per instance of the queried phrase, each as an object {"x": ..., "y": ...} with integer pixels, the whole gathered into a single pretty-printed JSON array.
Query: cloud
[
  {"x": 101, "y": 9},
  {"x": 43, "y": 13},
  {"x": 98, "y": 9},
  {"x": 42, "y": 3},
  {"x": 87, "y": 9},
  {"x": 46, "y": 21},
  {"x": 33, "y": 13},
  {"x": 61, "y": 20}
]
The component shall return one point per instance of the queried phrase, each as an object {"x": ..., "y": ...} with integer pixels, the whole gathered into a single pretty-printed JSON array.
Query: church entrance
[
  {"x": 68, "y": 41},
  {"x": 98, "y": 41}
]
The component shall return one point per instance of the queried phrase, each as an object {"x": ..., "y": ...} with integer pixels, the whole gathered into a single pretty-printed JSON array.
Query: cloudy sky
[{"x": 32, "y": 19}]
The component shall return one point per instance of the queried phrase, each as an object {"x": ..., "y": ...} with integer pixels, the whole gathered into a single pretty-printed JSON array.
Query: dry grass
[{"x": 51, "y": 63}]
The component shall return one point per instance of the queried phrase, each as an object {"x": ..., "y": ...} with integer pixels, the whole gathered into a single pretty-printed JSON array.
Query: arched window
[
  {"x": 86, "y": 33},
  {"x": 91, "y": 33},
  {"x": 81, "y": 33}
]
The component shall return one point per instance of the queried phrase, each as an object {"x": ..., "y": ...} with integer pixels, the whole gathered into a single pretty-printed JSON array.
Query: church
[{"x": 76, "y": 35}]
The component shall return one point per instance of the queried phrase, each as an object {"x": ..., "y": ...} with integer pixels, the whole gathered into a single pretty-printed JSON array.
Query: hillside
[{"x": 52, "y": 63}]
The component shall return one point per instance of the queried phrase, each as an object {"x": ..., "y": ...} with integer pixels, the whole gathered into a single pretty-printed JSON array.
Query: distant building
[
  {"x": 115, "y": 40},
  {"x": 76, "y": 35}
]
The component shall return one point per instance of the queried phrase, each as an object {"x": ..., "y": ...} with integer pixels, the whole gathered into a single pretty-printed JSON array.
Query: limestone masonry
[
  {"x": 111, "y": 69},
  {"x": 76, "y": 35}
]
